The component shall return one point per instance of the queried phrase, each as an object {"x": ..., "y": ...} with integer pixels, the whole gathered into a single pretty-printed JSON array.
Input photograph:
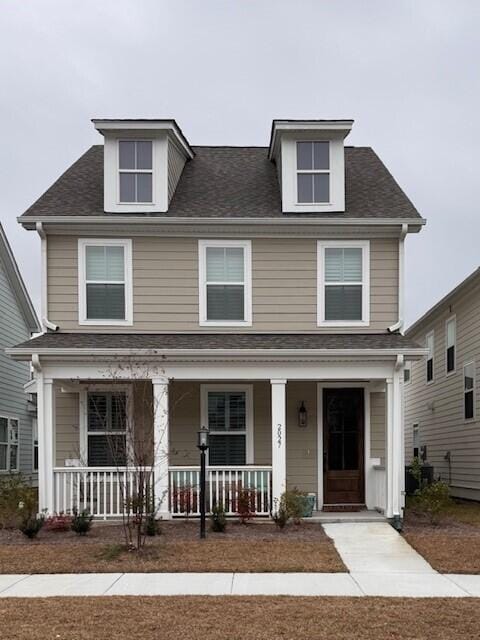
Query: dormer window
[
  {"x": 313, "y": 172},
  {"x": 135, "y": 167}
]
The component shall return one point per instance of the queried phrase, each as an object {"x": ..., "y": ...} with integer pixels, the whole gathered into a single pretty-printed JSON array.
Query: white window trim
[
  {"x": 474, "y": 417},
  {"x": 83, "y": 398},
  {"x": 9, "y": 444},
  {"x": 249, "y": 426},
  {"x": 246, "y": 245},
  {"x": 365, "y": 246},
  {"x": 430, "y": 333},
  {"x": 120, "y": 171},
  {"x": 82, "y": 285},
  {"x": 453, "y": 319},
  {"x": 325, "y": 203}
]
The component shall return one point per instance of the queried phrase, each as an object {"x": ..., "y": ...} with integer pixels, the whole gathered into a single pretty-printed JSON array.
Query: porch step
[
  {"x": 351, "y": 508},
  {"x": 346, "y": 516}
]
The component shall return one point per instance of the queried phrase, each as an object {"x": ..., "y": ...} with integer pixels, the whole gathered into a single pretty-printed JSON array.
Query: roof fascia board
[
  {"x": 341, "y": 126},
  {"x": 170, "y": 126}
]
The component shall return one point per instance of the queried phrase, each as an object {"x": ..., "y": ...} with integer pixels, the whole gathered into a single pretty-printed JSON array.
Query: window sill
[
  {"x": 450, "y": 373},
  {"x": 343, "y": 323},
  {"x": 225, "y": 323},
  {"x": 106, "y": 323}
]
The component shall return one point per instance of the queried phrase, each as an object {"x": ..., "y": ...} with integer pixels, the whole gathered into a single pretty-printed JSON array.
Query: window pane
[
  {"x": 13, "y": 457},
  {"x": 97, "y": 411},
  {"x": 321, "y": 187},
  {"x": 227, "y": 410},
  {"x": 224, "y": 264},
  {"x": 14, "y": 431},
  {"x": 144, "y": 187},
  {"x": 450, "y": 359},
  {"x": 126, "y": 152},
  {"x": 343, "y": 302},
  {"x": 127, "y": 187},
  {"x": 430, "y": 344},
  {"x": 343, "y": 265},
  {"x": 3, "y": 457},
  {"x": 237, "y": 411},
  {"x": 321, "y": 155},
  {"x": 227, "y": 450},
  {"x": 469, "y": 405},
  {"x": 215, "y": 257},
  {"x": 96, "y": 267},
  {"x": 406, "y": 375},
  {"x": 234, "y": 264},
  {"x": 119, "y": 412},
  {"x": 217, "y": 411},
  {"x": 304, "y": 155},
  {"x": 114, "y": 264},
  {"x": 105, "y": 302},
  {"x": 429, "y": 369},
  {"x": 4, "y": 430},
  {"x": 106, "y": 450},
  {"x": 451, "y": 333},
  {"x": 469, "y": 373},
  {"x": 225, "y": 302},
  {"x": 305, "y": 187},
  {"x": 144, "y": 154}
]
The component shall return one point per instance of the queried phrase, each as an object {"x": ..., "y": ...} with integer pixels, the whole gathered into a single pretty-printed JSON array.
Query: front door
[{"x": 343, "y": 427}]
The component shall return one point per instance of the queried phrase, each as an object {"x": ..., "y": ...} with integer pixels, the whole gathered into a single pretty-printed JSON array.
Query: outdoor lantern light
[
  {"x": 202, "y": 444},
  {"x": 302, "y": 415}
]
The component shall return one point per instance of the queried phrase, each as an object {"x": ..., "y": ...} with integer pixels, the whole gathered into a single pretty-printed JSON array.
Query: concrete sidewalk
[{"x": 241, "y": 584}]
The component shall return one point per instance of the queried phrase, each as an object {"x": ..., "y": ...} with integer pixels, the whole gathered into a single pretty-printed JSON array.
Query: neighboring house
[
  {"x": 18, "y": 321},
  {"x": 442, "y": 418},
  {"x": 254, "y": 290}
]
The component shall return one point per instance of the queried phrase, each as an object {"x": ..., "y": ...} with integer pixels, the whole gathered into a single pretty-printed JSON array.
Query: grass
[
  {"x": 252, "y": 548},
  {"x": 451, "y": 546},
  {"x": 239, "y": 618}
]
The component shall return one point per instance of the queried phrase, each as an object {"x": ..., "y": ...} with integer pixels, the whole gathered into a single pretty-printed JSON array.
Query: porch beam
[
  {"x": 279, "y": 445},
  {"x": 161, "y": 446}
]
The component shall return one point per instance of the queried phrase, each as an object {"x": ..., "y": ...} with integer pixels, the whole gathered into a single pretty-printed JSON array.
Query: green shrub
[
  {"x": 433, "y": 500},
  {"x": 295, "y": 504},
  {"x": 18, "y": 501},
  {"x": 218, "y": 519},
  {"x": 31, "y": 525},
  {"x": 81, "y": 522}
]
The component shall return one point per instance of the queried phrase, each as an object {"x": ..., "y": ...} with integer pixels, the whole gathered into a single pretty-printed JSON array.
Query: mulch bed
[
  {"x": 239, "y": 618},
  {"x": 453, "y": 545},
  {"x": 256, "y": 547}
]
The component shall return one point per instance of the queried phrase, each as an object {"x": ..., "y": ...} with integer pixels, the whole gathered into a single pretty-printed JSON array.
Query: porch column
[
  {"x": 45, "y": 421},
  {"x": 279, "y": 445},
  {"x": 161, "y": 445},
  {"x": 389, "y": 398},
  {"x": 395, "y": 446}
]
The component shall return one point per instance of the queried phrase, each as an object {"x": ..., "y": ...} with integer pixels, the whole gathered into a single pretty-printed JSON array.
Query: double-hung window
[
  {"x": 35, "y": 443},
  {"x": 343, "y": 283},
  {"x": 430, "y": 344},
  {"x": 135, "y": 169},
  {"x": 8, "y": 444},
  {"x": 105, "y": 281},
  {"x": 313, "y": 172},
  {"x": 228, "y": 413},
  {"x": 451, "y": 339},
  {"x": 225, "y": 282},
  {"x": 106, "y": 434},
  {"x": 469, "y": 391}
]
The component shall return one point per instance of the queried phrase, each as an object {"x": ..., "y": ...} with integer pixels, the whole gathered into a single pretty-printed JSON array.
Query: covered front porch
[{"x": 332, "y": 429}]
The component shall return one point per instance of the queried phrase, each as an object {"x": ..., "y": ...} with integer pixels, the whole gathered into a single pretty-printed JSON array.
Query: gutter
[
  {"x": 398, "y": 326},
  {"x": 46, "y": 324}
]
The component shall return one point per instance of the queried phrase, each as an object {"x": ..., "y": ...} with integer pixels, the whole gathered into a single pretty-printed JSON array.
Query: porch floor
[{"x": 366, "y": 515}]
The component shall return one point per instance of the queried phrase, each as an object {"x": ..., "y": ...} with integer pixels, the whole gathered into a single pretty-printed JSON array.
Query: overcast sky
[{"x": 407, "y": 72}]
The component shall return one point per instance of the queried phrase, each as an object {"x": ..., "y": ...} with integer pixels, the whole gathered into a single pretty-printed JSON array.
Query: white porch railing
[
  {"x": 224, "y": 485},
  {"x": 101, "y": 490}
]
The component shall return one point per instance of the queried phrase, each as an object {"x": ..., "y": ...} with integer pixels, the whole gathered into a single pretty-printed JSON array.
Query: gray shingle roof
[
  {"x": 232, "y": 341},
  {"x": 230, "y": 182}
]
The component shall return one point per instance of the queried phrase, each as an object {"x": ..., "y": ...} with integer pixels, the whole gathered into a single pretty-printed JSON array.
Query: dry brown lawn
[
  {"x": 238, "y": 618},
  {"x": 453, "y": 545},
  {"x": 255, "y": 547}
]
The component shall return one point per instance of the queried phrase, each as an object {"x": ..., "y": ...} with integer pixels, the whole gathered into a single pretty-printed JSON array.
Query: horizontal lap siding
[
  {"x": 442, "y": 427},
  {"x": 13, "y": 375},
  {"x": 302, "y": 441},
  {"x": 165, "y": 285},
  {"x": 377, "y": 426}
]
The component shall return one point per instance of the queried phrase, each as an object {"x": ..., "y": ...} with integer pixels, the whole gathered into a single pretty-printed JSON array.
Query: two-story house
[
  {"x": 256, "y": 291},
  {"x": 18, "y": 321},
  {"x": 441, "y": 400}
]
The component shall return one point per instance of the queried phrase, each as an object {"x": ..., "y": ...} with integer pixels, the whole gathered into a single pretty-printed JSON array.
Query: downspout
[
  {"x": 46, "y": 324},
  {"x": 398, "y": 326},
  {"x": 36, "y": 364}
]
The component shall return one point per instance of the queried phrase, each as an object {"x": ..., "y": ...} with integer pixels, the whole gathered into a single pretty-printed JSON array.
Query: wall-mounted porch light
[{"x": 302, "y": 415}]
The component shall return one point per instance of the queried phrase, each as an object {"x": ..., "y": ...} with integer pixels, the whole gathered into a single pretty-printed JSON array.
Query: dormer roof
[{"x": 340, "y": 128}]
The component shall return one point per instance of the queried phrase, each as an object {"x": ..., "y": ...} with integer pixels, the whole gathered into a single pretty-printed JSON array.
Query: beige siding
[
  {"x": 377, "y": 426},
  {"x": 302, "y": 441},
  {"x": 438, "y": 407},
  {"x": 165, "y": 285},
  {"x": 176, "y": 162},
  {"x": 67, "y": 427}
]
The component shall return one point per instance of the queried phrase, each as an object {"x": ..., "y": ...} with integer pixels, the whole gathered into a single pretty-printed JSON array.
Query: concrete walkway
[{"x": 239, "y": 584}]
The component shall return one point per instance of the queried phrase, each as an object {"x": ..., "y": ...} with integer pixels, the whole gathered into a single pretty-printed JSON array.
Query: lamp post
[{"x": 202, "y": 444}]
